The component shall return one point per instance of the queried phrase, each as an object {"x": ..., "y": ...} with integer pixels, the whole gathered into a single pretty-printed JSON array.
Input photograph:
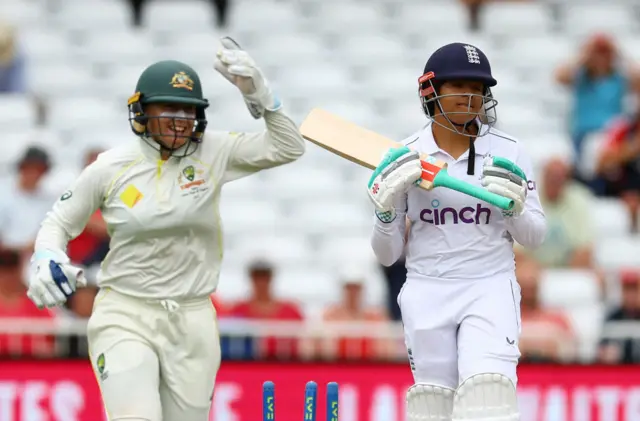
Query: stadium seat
[
  {"x": 568, "y": 288},
  {"x": 282, "y": 248},
  {"x": 335, "y": 18},
  {"x": 22, "y": 13},
  {"x": 174, "y": 17},
  {"x": 612, "y": 254},
  {"x": 45, "y": 46},
  {"x": 522, "y": 18},
  {"x": 414, "y": 17},
  {"x": 17, "y": 111},
  {"x": 585, "y": 19},
  {"x": 76, "y": 113},
  {"x": 69, "y": 80},
  {"x": 610, "y": 218},
  {"x": 250, "y": 216},
  {"x": 99, "y": 15},
  {"x": 577, "y": 292},
  {"x": 125, "y": 47},
  {"x": 338, "y": 249},
  {"x": 339, "y": 217},
  {"x": 255, "y": 18}
]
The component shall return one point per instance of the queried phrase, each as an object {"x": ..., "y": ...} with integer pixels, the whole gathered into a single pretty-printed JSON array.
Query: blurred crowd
[{"x": 603, "y": 129}]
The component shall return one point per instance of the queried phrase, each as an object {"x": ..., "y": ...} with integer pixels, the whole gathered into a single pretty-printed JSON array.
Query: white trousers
[
  {"x": 154, "y": 362},
  {"x": 456, "y": 329}
]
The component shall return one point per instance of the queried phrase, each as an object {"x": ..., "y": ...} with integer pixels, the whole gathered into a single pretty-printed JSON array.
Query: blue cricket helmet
[{"x": 459, "y": 61}]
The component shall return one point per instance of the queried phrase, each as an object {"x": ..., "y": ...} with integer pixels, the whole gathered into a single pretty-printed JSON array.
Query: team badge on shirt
[
  {"x": 191, "y": 180},
  {"x": 101, "y": 367}
]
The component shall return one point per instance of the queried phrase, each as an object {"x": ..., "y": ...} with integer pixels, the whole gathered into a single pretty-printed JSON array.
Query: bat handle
[{"x": 443, "y": 179}]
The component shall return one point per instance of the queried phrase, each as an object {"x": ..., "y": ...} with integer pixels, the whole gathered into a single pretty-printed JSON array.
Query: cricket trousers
[
  {"x": 455, "y": 329},
  {"x": 154, "y": 360}
]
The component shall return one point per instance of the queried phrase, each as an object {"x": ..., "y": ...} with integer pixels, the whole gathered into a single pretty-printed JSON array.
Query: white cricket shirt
[
  {"x": 456, "y": 236},
  {"x": 163, "y": 216}
]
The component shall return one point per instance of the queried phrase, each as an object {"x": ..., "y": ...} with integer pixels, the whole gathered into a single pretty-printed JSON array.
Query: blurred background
[{"x": 301, "y": 296}]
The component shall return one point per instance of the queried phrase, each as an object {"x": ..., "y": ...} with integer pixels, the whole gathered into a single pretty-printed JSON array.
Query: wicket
[{"x": 310, "y": 401}]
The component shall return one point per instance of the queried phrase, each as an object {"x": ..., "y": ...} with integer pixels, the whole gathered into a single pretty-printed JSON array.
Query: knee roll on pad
[
  {"x": 486, "y": 397},
  {"x": 428, "y": 402}
]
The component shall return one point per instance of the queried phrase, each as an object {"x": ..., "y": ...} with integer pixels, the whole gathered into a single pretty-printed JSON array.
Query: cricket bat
[{"x": 366, "y": 148}]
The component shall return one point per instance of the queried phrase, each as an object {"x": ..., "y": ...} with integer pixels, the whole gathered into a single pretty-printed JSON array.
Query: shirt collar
[{"x": 428, "y": 144}]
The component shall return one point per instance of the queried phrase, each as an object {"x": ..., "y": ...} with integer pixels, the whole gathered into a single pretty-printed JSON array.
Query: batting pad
[
  {"x": 427, "y": 402},
  {"x": 486, "y": 397}
]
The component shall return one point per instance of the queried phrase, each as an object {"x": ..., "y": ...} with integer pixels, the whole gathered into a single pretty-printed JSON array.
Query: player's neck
[{"x": 455, "y": 144}]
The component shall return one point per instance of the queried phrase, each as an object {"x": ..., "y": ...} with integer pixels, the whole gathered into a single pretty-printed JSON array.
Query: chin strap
[{"x": 471, "y": 161}]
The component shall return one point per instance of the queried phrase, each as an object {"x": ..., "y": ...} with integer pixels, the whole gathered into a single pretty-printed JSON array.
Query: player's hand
[
  {"x": 52, "y": 279},
  {"x": 505, "y": 178},
  {"x": 239, "y": 68},
  {"x": 399, "y": 170}
]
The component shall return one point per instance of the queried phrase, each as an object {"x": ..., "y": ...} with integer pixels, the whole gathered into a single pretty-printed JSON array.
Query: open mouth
[{"x": 177, "y": 130}]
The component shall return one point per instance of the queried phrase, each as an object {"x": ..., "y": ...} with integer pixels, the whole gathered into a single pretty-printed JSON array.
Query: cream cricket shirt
[
  {"x": 456, "y": 236},
  {"x": 163, "y": 216}
]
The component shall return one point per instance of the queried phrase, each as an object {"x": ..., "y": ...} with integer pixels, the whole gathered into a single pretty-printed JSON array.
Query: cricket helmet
[
  {"x": 462, "y": 62},
  {"x": 168, "y": 82}
]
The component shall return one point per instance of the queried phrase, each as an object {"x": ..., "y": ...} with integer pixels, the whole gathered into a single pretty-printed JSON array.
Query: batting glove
[
  {"x": 53, "y": 279},
  {"x": 240, "y": 69},
  {"x": 505, "y": 178},
  {"x": 399, "y": 170}
]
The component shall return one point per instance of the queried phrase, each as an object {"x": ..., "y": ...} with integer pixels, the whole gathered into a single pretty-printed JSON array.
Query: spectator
[
  {"x": 15, "y": 304},
  {"x": 12, "y": 63},
  {"x": 566, "y": 203},
  {"x": 624, "y": 351},
  {"x": 92, "y": 245},
  {"x": 474, "y": 9},
  {"x": 262, "y": 305},
  {"x": 220, "y": 7},
  {"x": 599, "y": 83},
  {"x": 24, "y": 203},
  {"x": 618, "y": 166},
  {"x": 351, "y": 309},
  {"x": 546, "y": 334}
]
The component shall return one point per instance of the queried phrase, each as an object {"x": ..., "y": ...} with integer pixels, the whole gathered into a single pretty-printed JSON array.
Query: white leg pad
[
  {"x": 428, "y": 402},
  {"x": 486, "y": 397}
]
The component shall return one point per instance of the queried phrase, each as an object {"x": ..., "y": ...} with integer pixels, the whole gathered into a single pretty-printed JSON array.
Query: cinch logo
[{"x": 467, "y": 215}]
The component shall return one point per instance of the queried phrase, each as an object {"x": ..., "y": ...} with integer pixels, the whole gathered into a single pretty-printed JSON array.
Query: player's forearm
[
  {"x": 387, "y": 240},
  {"x": 51, "y": 236},
  {"x": 529, "y": 229},
  {"x": 283, "y": 139}
]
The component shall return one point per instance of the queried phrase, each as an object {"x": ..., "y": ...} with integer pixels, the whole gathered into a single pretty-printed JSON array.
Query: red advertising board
[{"x": 66, "y": 391}]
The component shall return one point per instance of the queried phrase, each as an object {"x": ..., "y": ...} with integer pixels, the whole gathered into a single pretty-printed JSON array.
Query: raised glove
[
  {"x": 399, "y": 170},
  {"x": 505, "y": 178},
  {"x": 53, "y": 279},
  {"x": 240, "y": 69}
]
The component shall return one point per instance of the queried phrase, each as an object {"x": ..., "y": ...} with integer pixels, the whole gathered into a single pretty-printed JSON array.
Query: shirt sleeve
[
  {"x": 72, "y": 211},
  {"x": 530, "y": 228},
  {"x": 279, "y": 144},
  {"x": 388, "y": 239}
]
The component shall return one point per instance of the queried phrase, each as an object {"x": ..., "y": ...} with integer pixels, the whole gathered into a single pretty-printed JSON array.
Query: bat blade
[
  {"x": 367, "y": 148},
  {"x": 357, "y": 144}
]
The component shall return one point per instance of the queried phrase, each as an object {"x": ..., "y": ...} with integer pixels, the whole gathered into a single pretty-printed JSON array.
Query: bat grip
[{"x": 443, "y": 179}]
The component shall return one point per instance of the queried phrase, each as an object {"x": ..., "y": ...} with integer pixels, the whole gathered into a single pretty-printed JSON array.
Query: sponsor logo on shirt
[
  {"x": 477, "y": 215},
  {"x": 131, "y": 196}
]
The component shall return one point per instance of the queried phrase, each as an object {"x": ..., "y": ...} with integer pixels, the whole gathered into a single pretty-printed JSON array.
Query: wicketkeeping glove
[
  {"x": 240, "y": 69},
  {"x": 399, "y": 170},
  {"x": 505, "y": 178},
  {"x": 52, "y": 279}
]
